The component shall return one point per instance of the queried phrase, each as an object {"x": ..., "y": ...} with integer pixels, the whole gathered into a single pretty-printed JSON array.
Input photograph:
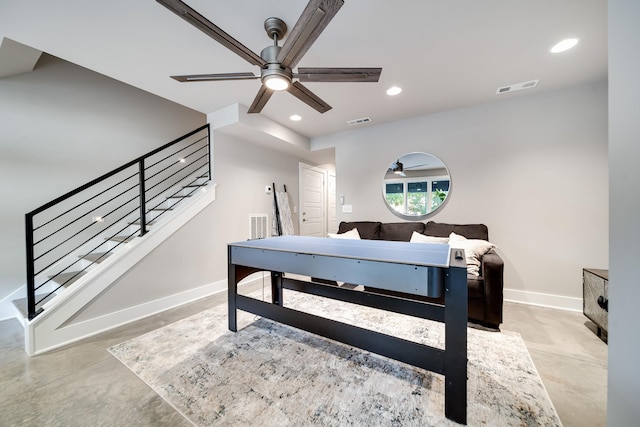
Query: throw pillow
[
  {"x": 351, "y": 234},
  {"x": 474, "y": 249},
  {"x": 421, "y": 238}
]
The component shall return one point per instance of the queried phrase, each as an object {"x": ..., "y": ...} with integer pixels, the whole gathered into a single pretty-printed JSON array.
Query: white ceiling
[{"x": 444, "y": 54}]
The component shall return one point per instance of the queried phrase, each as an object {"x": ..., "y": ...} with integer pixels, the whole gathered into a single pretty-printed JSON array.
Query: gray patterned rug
[{"x": 268, "y": 374}]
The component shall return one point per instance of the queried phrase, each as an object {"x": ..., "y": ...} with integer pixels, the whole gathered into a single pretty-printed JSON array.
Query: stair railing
[{"x": 69, "y": 234}]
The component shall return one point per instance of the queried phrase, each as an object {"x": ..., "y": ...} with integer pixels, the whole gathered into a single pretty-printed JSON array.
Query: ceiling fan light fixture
[
  {"x": 275, "y": 78},
  {"x": 275, "y": 82}
]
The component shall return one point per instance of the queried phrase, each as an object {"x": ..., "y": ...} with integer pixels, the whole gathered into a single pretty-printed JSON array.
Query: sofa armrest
[{"x": 492, "y": 268}]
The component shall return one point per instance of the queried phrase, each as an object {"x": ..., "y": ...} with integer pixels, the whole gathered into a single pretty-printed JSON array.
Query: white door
[{"x": 312, "y": 201}]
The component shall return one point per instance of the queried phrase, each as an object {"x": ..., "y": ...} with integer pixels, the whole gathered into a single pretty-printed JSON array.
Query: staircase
[{"x": 97, "y": 231}]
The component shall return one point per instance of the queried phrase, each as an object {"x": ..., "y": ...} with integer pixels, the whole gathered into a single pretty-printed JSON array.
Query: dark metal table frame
[{"x": 450, "y": 362}]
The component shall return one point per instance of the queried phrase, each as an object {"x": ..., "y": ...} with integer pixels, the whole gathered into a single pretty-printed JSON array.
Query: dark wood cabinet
[{"x": 595, "y": 297}]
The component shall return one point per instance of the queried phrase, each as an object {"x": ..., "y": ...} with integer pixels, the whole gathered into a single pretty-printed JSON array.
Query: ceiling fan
[
  {"x": 397, "y": 167},
  {"x": 276, "y": 63}
]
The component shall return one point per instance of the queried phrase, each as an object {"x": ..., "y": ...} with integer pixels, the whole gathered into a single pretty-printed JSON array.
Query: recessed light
[
  {"x": 565, "y": 44},
  {"x": 295, "y": 118},
  {"x": 393, "y": 90}
]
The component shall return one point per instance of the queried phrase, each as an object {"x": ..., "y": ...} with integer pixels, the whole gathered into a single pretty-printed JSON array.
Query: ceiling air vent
[
  {"x": 359, "y": 121},
  {"x": 517, "y": 86}
]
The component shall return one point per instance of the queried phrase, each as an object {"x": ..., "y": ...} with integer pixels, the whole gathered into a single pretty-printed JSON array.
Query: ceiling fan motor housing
[{"x": 273, "y": 69}]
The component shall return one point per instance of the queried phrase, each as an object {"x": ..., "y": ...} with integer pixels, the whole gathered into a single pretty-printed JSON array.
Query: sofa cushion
[
  {"x": 470, "y": 231},
  {"x": 351, "y": 234},
  {"x": 399, "y": 231},
  {"x": 421, "y": 238},
  {"x": 366, "y": 229},
  {"x": 474, "y": 249}
]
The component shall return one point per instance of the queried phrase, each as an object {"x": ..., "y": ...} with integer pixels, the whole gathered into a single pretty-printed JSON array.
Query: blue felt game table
[{"x": 430, "y": 270}]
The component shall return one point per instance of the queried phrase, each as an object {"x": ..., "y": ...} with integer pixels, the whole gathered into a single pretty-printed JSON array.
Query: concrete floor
[
  {"x": 570, "y": 358},
  {"x": 83, "y": 385}
]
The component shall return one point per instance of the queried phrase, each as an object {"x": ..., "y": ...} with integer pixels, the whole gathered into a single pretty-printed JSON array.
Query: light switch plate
[{"x": 347, "y": 208}]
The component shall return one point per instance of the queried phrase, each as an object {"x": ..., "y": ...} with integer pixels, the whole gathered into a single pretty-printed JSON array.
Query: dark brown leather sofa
[{"x": 485, "y": 290}]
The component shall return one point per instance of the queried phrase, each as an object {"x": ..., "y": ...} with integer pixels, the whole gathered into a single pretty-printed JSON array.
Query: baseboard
[
  {"x": 123, "y": 317},
  {"x": 543, "y": 300},
  {"x": 98, "y": 325}
]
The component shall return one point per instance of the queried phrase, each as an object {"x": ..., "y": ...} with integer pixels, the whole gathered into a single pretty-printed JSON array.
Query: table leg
[
  {"x": 232, "y": 291},
  {"x": 276, "y": 288},
  {"x": 455, "y": 365}
]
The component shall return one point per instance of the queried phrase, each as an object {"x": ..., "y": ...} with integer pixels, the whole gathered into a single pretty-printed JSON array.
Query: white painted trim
[
  {"x": 110, "y": 321},
  {"x": 98, "y": 325},
  {"x": 543, "y": 300}
]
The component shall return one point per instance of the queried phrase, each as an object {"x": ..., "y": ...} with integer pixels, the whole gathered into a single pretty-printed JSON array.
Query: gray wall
[
  {"x": 624, "y": 155},
  {"x": 533, "y": 169},
  {"x": 61, "y": 126},
  {"x": 197, "y": 254}
]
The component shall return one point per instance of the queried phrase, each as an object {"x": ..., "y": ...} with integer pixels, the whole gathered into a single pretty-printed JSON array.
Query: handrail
[
  {"x": 157, "y": 181},
  {"x": 115, "y": 171}
]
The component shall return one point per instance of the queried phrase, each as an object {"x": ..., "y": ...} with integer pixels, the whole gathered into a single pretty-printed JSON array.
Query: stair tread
[
  {"x": 196, "y": 185},
  {"x": 122, "y": 239},
  {"x": 138, "y": 222},
  {"x": 66, "y": 279},
  {"x": 96, "y": 256},
  {"x": 21, "y": 303}
]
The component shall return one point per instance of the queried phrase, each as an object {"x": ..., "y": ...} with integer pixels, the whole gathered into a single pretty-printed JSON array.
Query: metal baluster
[{"x": 143, "y": 201}]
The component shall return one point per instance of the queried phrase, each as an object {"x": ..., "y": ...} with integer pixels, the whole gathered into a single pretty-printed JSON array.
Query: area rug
[{"x": 268, "y": 374}]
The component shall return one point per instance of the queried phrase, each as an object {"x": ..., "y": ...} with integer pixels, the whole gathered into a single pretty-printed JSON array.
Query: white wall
[
  {"x": 624, "y": 155},
  {"x": 61, "y": 126},
  {"x": 197, "y": 254},
  {"x": 533, "y": 169}
]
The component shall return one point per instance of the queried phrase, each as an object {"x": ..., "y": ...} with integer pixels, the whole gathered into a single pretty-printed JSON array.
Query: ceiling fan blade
[
  {"x": 308, "y": 97},
  {"x": 215, "y": 77},
  {"x": 338, "y": 74},
  {"x": 209, "y": 28},
  {"x": 416, "y": 166},
  {"x": 315, "y": 17},
  {"x": 261, "y": 99}
]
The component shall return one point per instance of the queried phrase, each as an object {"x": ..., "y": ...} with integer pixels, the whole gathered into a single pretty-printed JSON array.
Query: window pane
[
  {"x": 439, "y": 191},
  {"x": 394, "y": 188},
  {"x": 440, "y": 185},
  {"x": 394, "y": 193},
  {"x": 417, "y": 187},
  {"x": 417, "y": 198}
]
